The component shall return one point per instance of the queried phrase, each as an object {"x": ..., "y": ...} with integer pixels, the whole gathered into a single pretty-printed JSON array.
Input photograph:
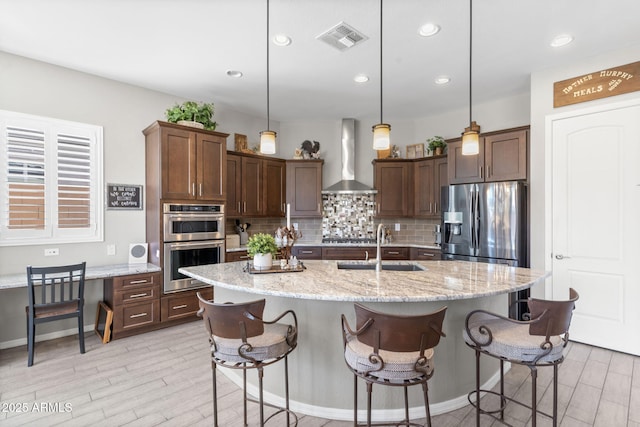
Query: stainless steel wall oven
[{"x": 193, "y": 235}]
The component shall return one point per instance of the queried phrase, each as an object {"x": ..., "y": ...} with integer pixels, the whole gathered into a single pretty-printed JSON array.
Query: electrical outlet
[
  {"x": 51, "y": 252},
  {"x": 111, "y": 249},
  {"x": 397, "y": 226},
  {"x": 295, "y": 225}
]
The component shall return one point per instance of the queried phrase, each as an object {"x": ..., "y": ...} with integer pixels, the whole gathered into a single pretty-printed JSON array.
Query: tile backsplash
[{"x": 348, "y": 216}]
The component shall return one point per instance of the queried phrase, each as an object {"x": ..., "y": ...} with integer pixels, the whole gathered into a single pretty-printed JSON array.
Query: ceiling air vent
[{"x": 342, "y": 36}]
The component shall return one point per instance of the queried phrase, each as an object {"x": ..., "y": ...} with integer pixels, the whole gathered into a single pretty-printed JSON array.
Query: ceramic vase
[{"x": 262, "y": 261}]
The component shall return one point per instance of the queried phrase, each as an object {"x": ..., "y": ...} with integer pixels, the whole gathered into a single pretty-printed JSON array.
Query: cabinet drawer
[
  {"x": 307, "y": 252},
  {"x": 236, "y": 256},
  {"x": 136, "y": 315},
  {"x": 133, "y": 296},
  {"x": 348, "y": 253},
  {"x": 182, "y": 304},
  {"x": 135, "y": 280},
  {"x": 395, "y": 253},
  {"x": 425, "y": 254}
]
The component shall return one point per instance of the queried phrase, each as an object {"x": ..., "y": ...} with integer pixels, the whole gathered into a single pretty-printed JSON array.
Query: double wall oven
[{"x": 193, "y": 235}]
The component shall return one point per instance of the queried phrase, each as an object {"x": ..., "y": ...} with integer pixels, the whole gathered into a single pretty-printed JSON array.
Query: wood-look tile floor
[{"x": 164, "y": 378}]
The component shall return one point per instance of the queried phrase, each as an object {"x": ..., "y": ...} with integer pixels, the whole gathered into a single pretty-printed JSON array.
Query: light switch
[
  {"x": 111, "y": 249},
  {"x": 397, "y": 226}
]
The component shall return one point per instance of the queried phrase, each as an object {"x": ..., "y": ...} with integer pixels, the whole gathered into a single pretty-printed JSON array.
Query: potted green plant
[
  {"x": 262, "y": 247},
  {"x": 192, "y": 113},
  {"x": 436, "y": 145}
]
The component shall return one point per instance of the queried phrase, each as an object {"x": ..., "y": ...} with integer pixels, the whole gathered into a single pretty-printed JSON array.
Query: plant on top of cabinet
[
  {"x": 190, "y": 112},
  {"x": 436, "y": 145}
]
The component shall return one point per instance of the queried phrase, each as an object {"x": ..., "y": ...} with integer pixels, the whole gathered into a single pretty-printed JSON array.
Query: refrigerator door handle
[{"x": 476, "y": 223}]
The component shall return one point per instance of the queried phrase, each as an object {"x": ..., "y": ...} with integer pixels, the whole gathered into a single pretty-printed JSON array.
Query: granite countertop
[
  {"x": 352, "y": 245},
  {"x": 322, "y": 280},
  {"x": 93, "y": 272}
]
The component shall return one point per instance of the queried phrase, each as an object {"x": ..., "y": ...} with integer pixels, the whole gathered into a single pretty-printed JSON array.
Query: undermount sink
[{"x": 370, "y": 266}]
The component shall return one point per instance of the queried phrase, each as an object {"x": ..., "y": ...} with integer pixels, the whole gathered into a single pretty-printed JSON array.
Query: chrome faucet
[{"x": 379, "y": 237}]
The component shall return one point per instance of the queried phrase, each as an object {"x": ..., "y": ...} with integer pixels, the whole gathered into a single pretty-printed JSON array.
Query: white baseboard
[{"x": 45, "y": 337}]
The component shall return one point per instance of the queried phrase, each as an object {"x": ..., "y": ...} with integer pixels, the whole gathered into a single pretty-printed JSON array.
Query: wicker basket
[{"x": 191, "y": 123}]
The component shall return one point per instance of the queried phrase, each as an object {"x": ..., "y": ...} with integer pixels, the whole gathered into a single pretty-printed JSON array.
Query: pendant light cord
[
  {"x": 381, "y": 61},
  {"x": 268, "y": 121},
  {"x": 470, "y": 57}
]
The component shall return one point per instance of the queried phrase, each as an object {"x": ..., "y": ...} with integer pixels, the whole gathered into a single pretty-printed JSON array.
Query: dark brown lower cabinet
[{"x": 138, "y": 306}]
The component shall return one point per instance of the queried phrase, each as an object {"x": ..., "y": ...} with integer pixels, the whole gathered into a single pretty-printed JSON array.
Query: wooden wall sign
[{"x": 597, "y": 85}]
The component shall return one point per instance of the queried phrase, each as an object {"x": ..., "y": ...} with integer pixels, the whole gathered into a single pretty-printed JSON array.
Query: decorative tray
[{"x": 275, "y": 269}]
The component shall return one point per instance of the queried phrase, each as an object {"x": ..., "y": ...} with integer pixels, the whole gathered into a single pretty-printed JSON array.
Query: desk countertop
[{"x": 93, "y": 272}]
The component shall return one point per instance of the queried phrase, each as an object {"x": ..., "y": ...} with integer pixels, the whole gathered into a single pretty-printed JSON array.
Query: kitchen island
[{"x": 321, "y": 385}]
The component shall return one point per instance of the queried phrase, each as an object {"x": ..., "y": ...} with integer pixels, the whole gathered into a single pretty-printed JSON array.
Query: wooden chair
[
  {"x": 536, "y": 342},
  {"x": 241, "y": 339},
  {"x": 391, "y": 350},
  {"x": 60, "y": 296}
]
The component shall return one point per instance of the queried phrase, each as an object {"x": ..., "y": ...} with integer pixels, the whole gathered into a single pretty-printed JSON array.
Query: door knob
[{"x": 560, "y": 256}]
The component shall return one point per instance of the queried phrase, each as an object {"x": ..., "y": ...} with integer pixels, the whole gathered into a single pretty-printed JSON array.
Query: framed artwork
[
  {"x": 240, "y": 142},
  {"x": 104, "y": 317},
  {"x": 124, "y": 196},
  {"x": 415, "y": 151}
]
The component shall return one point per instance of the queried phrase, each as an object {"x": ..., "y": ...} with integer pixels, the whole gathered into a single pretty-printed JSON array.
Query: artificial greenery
[
  {"x": 192, "y": 111},
  {"x": 261, "y": 243},
  {"x": 435, "y": 142}
]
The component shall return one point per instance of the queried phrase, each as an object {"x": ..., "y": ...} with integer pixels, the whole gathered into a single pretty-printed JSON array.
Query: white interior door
[{"x": 596, "y": 217}]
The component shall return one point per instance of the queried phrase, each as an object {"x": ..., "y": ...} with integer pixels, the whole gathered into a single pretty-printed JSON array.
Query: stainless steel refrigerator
[{"x": 486, "y": 223}]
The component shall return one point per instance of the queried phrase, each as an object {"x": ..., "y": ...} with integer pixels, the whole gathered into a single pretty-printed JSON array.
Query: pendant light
[
  {"x": 381, "y": 131},
  {"x": 268, "y": 137},
  {"x": 470, "y": 136}
]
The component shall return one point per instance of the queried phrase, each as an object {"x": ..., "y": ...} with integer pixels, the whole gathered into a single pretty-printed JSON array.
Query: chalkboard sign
[{"x": 124, "y": 196}]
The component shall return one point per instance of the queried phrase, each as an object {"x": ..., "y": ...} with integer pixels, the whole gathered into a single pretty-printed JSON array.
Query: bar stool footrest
[{"x": 504, "y": 400}]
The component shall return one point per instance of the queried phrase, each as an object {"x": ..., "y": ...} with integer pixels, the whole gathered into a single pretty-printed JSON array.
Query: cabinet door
[
  {"x": 506, "y": 156},
  {"x": 440, "y": 179},
  {"x": 304, "y": 188},
  {"x": 251, "y": 186},
  {"x": 464, "y": 169},
  {"x": 178, "y": 164},
  {"x": 423, "y": 173},
  {"x": 233, "y": 206},
  {"x": 210, "y": 154},
  {"x": 394, "y": 187},
  {"x": 274, "y": 187},
  {"x": 307, "y": 252}
]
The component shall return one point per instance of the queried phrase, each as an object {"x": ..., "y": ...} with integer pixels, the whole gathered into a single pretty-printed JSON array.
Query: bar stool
[
  {"x": 391, "y": 350},
  {"x": 536, "y": 342},
  {"x": 241, "y": 339}
]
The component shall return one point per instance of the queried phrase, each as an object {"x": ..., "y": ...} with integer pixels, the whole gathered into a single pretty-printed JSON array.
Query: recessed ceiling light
[
  {"x": 428, "y": 29},
  {"x": 234, "y": 73},
  {"x": 361, "y": 78},
  {"x": 561, "y": 40},
  {"x": 281, "y": 40},
  {"x": 442, "y": 80}
]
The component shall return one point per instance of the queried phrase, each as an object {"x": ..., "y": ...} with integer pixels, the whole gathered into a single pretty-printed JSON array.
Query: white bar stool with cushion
[
  {"x": 537, "y": 342},
  {"x": 241, "y": 339}
]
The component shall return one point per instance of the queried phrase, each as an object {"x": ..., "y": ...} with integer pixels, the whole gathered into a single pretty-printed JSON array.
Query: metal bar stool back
[
  {"x": 391, "y": 350},
  {"x": 60, "y": 296},
  {"x": 538, "y": 341},
  {"x": 241, "y": 339}
]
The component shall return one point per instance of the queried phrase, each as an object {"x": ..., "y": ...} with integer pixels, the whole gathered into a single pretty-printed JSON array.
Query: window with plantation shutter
[{"x": 51, "y": 180}]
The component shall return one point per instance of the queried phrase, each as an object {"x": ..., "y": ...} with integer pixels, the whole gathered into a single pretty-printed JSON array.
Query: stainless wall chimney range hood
[{"x": 348, "y": 184}]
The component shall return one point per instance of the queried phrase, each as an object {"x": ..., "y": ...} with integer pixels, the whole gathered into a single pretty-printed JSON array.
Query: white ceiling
[{"x": 185, "y": 47}]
